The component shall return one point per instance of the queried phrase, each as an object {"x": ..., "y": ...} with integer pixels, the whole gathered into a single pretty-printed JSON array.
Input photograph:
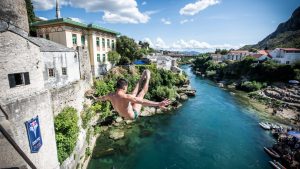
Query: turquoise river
[{"x": 212, "y": 130}]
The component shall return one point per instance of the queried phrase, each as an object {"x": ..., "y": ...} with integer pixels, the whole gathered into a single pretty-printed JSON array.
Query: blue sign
[{"x": 34, "y": 134}]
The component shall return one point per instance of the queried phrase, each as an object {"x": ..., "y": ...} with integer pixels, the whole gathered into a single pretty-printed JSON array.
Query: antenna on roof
[{"x": 57, "y": 10}]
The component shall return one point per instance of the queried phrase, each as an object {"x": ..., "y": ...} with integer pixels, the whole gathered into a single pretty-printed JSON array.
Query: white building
[
  {"x": 216, "y": 57},
  {"x": 61, "y": 64},
  {"x": 236, "y": 55},
  {"x": 164, "y": 62},
  {"x": 286, "y": 55}
]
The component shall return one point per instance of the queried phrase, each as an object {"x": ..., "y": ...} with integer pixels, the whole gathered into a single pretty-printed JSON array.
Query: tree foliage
[
  {"x": 130, "y": 50},
  {"x": 66, "y": 132},
  {"x": 127, "y": 47},
  {"x": 31, "y": 16},
  {"x": 30, "y": 11},
  {"x": 114, "y": 57}
]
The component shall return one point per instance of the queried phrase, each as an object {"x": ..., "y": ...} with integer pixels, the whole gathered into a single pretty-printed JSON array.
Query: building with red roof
[{"x": 285, "y": 55}]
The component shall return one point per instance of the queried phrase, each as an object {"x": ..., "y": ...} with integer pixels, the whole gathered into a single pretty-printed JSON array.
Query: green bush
[
  {"x": 86, "y": 116},
  {"x": 66, "y": 132},
  {"x": 162, "y": 92},
  {"x": 88, "y": 152},
  {"x": 210, "y": 73},
  {"x": 252, "y": 86}
]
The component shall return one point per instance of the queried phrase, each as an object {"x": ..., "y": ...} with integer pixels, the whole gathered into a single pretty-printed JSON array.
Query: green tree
[
  {"x": 31, "y": 16},
  {"x": 128, "y": 48},
  {"x": 252, "y": 50},
  {"x": 114, "y": 57}
]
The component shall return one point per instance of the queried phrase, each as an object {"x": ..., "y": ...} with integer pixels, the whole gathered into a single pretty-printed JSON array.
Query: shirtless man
[{"x": 129, "y": 105}]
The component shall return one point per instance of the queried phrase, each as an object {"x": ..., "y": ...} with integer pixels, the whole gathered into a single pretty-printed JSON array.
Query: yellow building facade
[{"x": 98, "y": 40}]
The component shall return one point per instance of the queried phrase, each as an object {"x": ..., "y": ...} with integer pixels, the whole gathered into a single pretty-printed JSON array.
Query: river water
[{"x": 210, "y": 131}]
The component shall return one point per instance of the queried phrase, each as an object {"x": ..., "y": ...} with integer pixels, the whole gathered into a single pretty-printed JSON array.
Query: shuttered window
[
  {"x": 98, "y": 41},
  {"x": 103, "y": 43},
  {"x": 74, "y": 39},
  {"x": 64, "y": 71},
  {"x": 18, "y": 79},
  {"x": 98, "y": 58},
  {"x": 51, "y": 72},
  {"x": 108, "y": 43}
]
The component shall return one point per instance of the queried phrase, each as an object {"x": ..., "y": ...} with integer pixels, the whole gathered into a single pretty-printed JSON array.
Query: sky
[{"x": 194, "y": 25}]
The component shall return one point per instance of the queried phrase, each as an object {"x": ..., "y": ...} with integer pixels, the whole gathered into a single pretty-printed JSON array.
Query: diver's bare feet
[{"x": 148, "y": 73}]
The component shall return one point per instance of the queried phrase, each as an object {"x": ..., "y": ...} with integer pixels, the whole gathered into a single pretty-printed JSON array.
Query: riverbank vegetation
[{"x": 248, "y": 73}]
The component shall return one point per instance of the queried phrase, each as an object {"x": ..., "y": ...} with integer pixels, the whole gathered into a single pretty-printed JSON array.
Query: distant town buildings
[
  {"x": 98, "y": 40},
  {"x": 279, "y": 55},
  {"x": 163, "y": 62}
]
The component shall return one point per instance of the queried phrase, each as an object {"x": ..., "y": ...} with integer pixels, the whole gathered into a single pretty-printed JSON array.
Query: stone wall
[
  {"x": 20, "y": 111},
  {"x": 17, "y": 55},
  {"x": 14, "y": 11},
  {"x": 71, "y": 95},
  {"x": 85, "y": 65}
]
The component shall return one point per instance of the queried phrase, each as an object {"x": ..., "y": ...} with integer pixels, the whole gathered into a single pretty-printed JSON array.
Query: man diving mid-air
[{"x": 129, "y": 105}]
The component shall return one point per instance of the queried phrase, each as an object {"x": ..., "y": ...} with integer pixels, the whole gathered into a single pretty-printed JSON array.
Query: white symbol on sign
[{"x": 33, "y": 127}]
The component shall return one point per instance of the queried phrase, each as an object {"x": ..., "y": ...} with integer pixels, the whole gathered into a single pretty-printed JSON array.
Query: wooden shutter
[
  {"x": 11, "y": 79},
  {"x": 26, "y": 76}
]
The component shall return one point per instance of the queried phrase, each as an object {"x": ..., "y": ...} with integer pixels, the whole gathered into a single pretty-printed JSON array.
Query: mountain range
[{"x": 287, "y": 35}]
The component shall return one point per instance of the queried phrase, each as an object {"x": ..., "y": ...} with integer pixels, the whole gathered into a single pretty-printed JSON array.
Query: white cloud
[
  {"x": 182, "y": 45},
  {"x": 77, "y": 19},
  {"x": 149, "y": 41},
  {"x": 186, "y": 20},
  {"x": 144, "y": 3},
  {"x": 43, "y": 18},
  {"x": 199, "y": 5},
  {"x": 165, "y": 21},
  {"x": 160, "y": 44},
  {"x": 43, "y": 5},
  {"x": 115, "y": 11}
]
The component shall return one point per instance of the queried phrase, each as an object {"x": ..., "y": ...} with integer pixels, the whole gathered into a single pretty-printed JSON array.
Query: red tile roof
[
  {"x": 263, "y": 52},
  {"x": 239, "y": 51},
  {"x": 257, "y": 55},
  {"x": 289, "y": 49}
]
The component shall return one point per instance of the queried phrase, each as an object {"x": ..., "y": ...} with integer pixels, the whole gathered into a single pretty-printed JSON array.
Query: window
[
  {"x": 98, "y": 41},
  {"x": 64, "y": 71},
  {"x": 287, "y": 62},
  {"x": 82, "y": 40},
  {"x": 112, "y": 44},
  {"x": 103, "y": 43},
  {"x": 108, "y": 43},
  {"x": 103, "y": 58},
  {"x": 18, "y": 79},
  {"x": 47, "y": 36},
  {"x": 74, "y": 39},
  {"x": 98, "y": 58},
  {"x": 41, "y": 36},
  {"x": 51, "y": 72}
]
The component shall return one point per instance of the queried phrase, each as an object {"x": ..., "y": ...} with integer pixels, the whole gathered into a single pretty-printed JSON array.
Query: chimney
[
  {"x": 57, "y": 10},
  {"x": 14, "y": 12}
]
